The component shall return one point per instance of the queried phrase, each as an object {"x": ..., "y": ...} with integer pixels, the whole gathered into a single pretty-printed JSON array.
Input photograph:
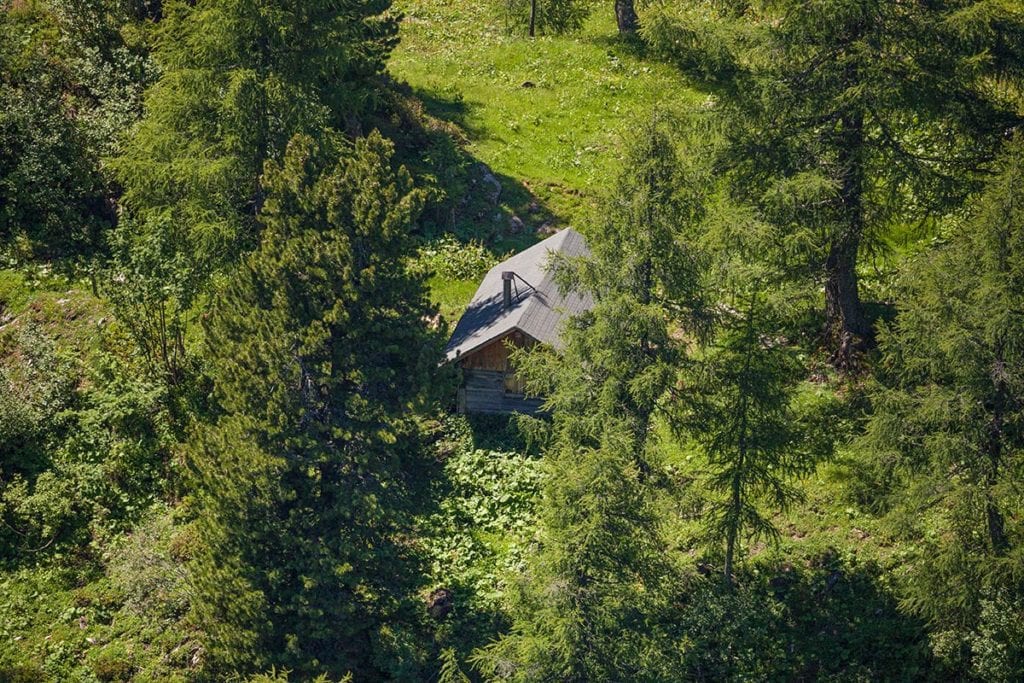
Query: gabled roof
[{"x": 537, "y": 309}]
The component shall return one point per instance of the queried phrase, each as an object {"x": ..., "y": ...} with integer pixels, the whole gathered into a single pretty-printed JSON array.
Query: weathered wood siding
[
  {"x": 490, "y": 384},
  {"x": 494, "y": 354},
  {"x": 483, "y": 391}
]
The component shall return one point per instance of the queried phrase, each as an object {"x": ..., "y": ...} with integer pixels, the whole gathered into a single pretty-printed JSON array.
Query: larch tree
[
  {"x": 321, "y": 359},
  {"x": 239, "y": 79},
  {"x": 737, "y": 398},
  {"x": 590, "y": 605},
  {"x": 947, "y": 423},
  {"x": 844, "y": 119}
]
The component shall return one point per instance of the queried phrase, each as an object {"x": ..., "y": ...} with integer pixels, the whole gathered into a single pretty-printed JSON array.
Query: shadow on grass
[
  {"x": 468, "y": 199},
  {"x": 450, "y": 107},
  {"x": 823, "y": 618},
  {"x": 632, "y": 46}
]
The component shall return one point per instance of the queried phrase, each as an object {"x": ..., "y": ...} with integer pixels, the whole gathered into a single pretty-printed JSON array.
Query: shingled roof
[{"x": 537, "y": 309}]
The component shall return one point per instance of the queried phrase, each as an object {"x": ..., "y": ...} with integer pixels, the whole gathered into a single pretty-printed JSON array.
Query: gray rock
[
  {"x": 546, "y": 229},
  {"x": 490, "y": 180}
]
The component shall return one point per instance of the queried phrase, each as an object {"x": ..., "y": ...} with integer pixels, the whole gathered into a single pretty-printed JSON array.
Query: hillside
[
  {"x": 549, "y": 113},
  {"x": 782, "y": 439},
  {"x": 547, "y": 116}
]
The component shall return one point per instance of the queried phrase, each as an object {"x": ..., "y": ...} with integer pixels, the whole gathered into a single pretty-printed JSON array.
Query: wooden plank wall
[
  {"x": 489, "y": 381},
  {"x": 485, "y": 393},
  {"x": 494, "y": 355}
]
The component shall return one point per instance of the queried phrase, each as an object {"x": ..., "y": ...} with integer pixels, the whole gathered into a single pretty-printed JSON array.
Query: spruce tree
[
  {"x": 238, "y": 80},
  {"x": 947, "y": 420},
  {"x": 321, "y": 359},
  {"x": 845, "y": 118},
  {"x": 591, "y": 603}
]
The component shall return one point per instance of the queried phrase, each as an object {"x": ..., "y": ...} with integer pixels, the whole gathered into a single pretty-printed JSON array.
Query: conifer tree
[
  {"x": 737, "y": 398},
  {"x": 590, "y": 604},
  {"x": 948, "y": 412},
  {"x": 321, "y": 358},
  {"x": 239, "y": 79},
  {"x": 844, "y": 118},
  {"x": 740, "y": 411}
]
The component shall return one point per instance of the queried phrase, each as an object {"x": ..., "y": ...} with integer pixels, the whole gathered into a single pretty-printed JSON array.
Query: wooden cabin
[{"x": 518, "y": 304}]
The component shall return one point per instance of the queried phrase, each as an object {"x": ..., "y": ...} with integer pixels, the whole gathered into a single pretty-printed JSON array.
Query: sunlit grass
[
  {"x": 451, "y": 296},
  {"x": 550, "y": 111}
]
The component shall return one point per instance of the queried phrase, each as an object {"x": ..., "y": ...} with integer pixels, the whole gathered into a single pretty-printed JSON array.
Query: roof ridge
[{"x": 538, "y": 313}]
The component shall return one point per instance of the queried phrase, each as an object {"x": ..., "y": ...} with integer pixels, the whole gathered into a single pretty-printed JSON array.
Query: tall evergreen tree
[
  {"x": 737, "y": 399},
  {"x": 739, "y": 408},
  {"x": 239, "y": 79},
  {"x": 948, "y": 412},
  {"x": 321, "y": 359},
  {"x": 590, "y": 603},
  {"x": 845, "y": 118}
]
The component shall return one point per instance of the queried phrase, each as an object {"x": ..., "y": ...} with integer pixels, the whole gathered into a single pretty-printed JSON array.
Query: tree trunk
[
  {"x": 533, "y": 17},
  {"x": 730, "y": 552},
  {"x": 994, "y": 516},
  {"x": 625, "y": 15},
  {"x": 736, "y": 492},
  {"x": 846, "y": 327}
]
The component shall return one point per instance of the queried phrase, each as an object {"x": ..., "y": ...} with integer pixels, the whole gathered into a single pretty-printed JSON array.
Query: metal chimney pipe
[{"x": 506, "y": 282}]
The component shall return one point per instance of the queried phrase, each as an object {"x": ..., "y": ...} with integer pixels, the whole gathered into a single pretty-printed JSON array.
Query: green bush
[
  {"x": 114, "y": 662},
  {"x": 451, "y": 259},
  {"x": 998, "y": 644},
  {"x": 553, "y": 16}
]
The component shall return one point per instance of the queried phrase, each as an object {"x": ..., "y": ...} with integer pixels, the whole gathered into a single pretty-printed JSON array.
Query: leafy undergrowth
[
  {"x": 483, "y": 523},
  {"x": 91, "y": 558},
  {"x": 125, "y": 621}
]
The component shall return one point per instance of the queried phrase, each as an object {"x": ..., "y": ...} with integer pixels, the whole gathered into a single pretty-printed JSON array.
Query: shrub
[
  {"x": 553, "y": 16},
  {"x": 453, "y": 260},
  {"x": 998, "y": 644},
  {"x": 113, "y": 663}
]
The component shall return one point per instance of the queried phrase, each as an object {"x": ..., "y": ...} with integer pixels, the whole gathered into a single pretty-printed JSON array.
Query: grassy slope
[
  {"x": 560, "y": 137},
  {"x": 558, "y": 141}
]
